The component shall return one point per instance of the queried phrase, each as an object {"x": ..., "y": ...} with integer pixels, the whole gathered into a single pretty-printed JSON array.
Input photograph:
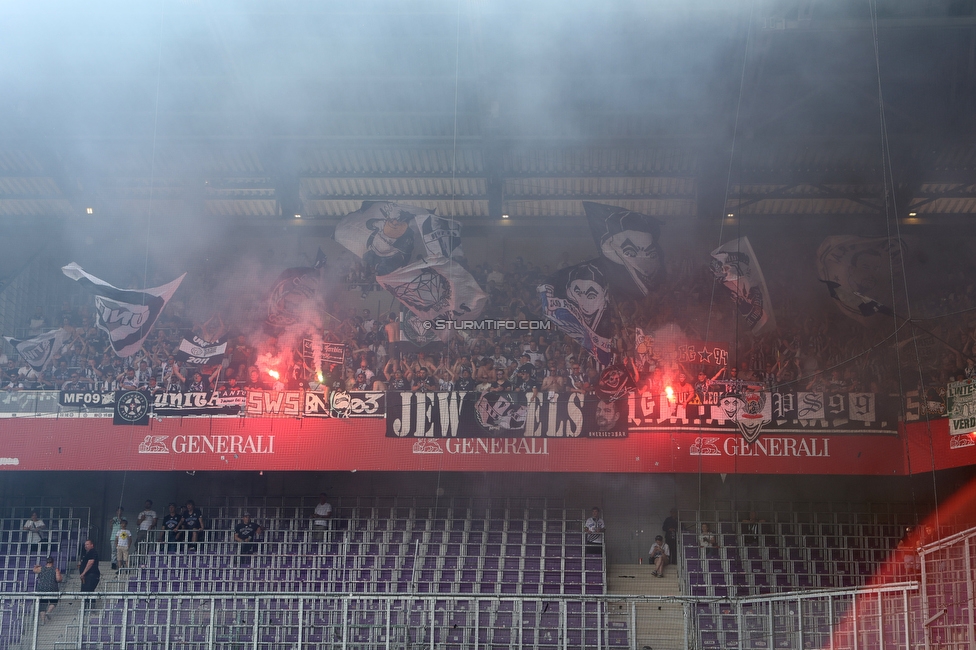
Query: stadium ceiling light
[
  {"x": 730, "y": 215},
  {"x": 90, "y": 210},
  {"x": 504, "y": 216},
  {"x": 298, "y": 216},
  {"x": 912, "y": 214}
]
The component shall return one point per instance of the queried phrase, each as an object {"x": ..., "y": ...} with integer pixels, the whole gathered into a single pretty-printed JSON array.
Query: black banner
[
  {"x": 503, "y": 415},
  {"x": 723, "y": 404},
  {"x": 222, "y": 402},
  {"x": 131, "y": 407},
  {"x": 87, "y": 398},
  {"x": 315, "y": 404},
  {"x": 328, "y": 354}
]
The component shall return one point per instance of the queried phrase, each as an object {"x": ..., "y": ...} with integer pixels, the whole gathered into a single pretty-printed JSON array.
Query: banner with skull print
[
  {"x": 735, "y": 265},
  {"x": 436, "y": 288},
  {"x": 857, "y": 272},
  {"x": 577, "y": 300},
  {"x": 630, "y": 243}
]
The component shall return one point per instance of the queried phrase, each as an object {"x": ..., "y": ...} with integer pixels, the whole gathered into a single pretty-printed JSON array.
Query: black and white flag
[
  {"x": 735, "y": 265},
  {"x": 436, "y": 288},
  {"x": 857, "y": 270},
  {"x": 630, "y": 242},
  {"x": 196, "y": 351},
  {"x": 441, "y": 236},
  {"x": 126, "y": 315},
  {"x": 39, "y": 350}
]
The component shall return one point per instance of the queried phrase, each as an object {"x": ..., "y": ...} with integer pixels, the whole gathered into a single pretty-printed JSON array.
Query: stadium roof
[{"x": 262, "y": 110}]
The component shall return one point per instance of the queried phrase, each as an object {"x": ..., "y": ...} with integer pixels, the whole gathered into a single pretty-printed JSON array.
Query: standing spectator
[
  {"x": 123, "y": 540},
  {"x": 116, "y": 527},
  {"x": 322, "y": 517},
  {"x": 392, "y": 330},
  {"x": 193, "y": 524},
  {"x": 146, "y": 522},
  {"x": 659, "y": 556},
  {"x": 594, "y": 528},
  {"x": 35, "y": 528},
  {"x": 670, "y": 528},
  {"x": 47, "y": 581},
  {"x": 172, "y": 528},
  {"x": 88, "y": 568},
  {"x": 750, "y": 528},
  {"x": 247, "y": 533}
]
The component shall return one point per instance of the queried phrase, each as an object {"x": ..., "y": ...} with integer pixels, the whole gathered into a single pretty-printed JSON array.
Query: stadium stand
[{"x": 401, "y": 571}]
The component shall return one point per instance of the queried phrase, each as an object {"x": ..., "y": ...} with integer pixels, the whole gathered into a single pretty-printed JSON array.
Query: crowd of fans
[{"x": 813, "y": 347}]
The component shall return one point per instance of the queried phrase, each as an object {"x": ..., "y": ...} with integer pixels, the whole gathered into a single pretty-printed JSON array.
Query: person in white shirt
[
  {"x": 34, "y": 527},
  {"x": 123, "y": 540},
  {"x": 146, "y": 521},
  {"x": 322, "y": 517},
  {"x": 659, "y": 556},
  {"x": 594, "y": 527}
]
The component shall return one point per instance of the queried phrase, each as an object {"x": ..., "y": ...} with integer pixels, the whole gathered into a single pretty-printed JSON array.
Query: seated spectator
[
  {"x": 193, "y": 524},
  {"x": 659, "y": 556},
  {"x": 322, "y": 517},
  {"x": 708, "y": 541},
  {"x": 247, "y": 533},
  {"x": 172, "y": 528}
]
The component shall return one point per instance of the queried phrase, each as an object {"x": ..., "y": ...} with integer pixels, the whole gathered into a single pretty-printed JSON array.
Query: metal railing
[
  {"x": 865, "y": 619},
  {"x": 375, "y": 621}
]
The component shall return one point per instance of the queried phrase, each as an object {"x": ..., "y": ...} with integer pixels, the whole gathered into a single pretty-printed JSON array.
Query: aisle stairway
[
  {"x": 62, "y": 631},
  {"x": 660, "y": 626}
]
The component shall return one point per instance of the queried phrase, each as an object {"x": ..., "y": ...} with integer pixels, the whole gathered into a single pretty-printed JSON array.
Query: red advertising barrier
[{"x": 361, "y": 444}]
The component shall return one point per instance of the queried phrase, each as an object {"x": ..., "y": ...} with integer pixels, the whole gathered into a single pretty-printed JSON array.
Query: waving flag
[
  {"x": 631, "y": 246},
  {"x": 436, "y": 288},
  {"x": 196, "y": 351},
  {"x": 736, "y": 266},
  {"x": 293, "y": 287},
  {"x": 126, "y": 315},
  {"x": 644, "y": 350},
  {"x": 380, "y": 234},
  {"x": 39, "y": 350},
  {"x": 576, "y": 299},
  {"x": 857, "y": 271},
  {"x": 441, "y": 236}
]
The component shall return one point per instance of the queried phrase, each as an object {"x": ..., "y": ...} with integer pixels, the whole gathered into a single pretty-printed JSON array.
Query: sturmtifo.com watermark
[{"x": 487, "y": 324}]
